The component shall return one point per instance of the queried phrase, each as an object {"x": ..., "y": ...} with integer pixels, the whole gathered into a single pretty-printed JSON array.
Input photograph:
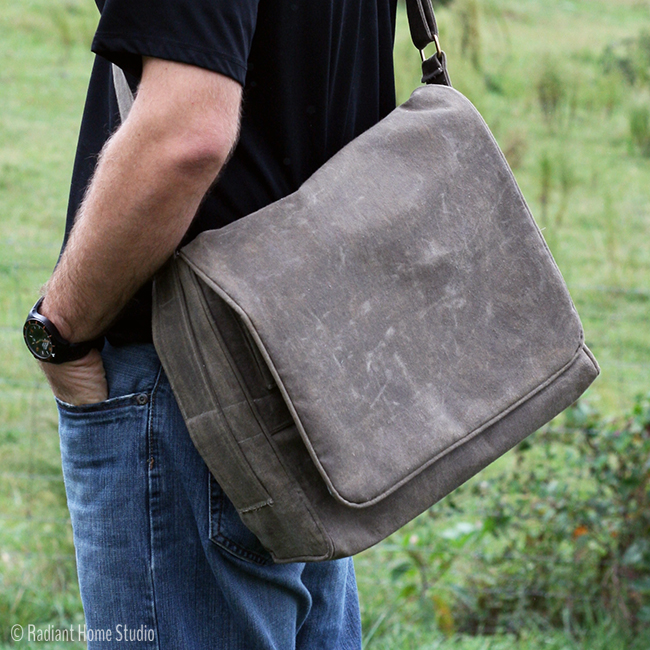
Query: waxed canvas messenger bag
[{"x": 349, "y": 355}]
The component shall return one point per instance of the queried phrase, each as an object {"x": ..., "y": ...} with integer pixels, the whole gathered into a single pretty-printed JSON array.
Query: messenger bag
[{"x": 349, "y": 355}]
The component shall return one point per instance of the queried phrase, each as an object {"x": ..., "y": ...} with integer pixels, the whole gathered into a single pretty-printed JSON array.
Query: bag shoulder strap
[
  {"x": 422, "y": 22},
  {"x": 424, "y": 31},
  {"x": 122, "y": 91}
]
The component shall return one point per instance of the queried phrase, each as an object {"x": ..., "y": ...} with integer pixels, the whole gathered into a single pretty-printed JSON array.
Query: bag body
[{"x": 347, "y": 356}]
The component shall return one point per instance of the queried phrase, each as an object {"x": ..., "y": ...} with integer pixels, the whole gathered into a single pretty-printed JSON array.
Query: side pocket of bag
[{"x": 226, "y": 426}]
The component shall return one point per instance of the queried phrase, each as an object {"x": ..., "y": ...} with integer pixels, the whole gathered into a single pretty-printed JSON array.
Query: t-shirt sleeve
[{"x": 211, "y": 34}]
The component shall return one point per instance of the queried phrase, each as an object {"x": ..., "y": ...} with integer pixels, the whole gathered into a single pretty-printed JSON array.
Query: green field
[{"x": 506, "y": 563}]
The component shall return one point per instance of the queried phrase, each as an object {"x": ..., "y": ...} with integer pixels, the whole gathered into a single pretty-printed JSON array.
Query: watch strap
[{"x": 60, "y": 349}]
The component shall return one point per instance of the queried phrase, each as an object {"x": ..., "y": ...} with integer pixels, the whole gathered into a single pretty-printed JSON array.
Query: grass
[
  {"x": 43, "y": 78},
  {"x": 538, "y": 78},
  {"x": 603, "y": 637}
]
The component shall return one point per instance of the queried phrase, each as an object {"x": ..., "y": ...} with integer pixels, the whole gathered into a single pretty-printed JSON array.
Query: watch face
[{"x": 38, "y": 340}]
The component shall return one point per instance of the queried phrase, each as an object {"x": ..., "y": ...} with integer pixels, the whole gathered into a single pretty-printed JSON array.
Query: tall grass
[{"x": 640, "y": 128}]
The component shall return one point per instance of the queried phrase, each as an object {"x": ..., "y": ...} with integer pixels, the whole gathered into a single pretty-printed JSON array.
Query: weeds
[
  {"x": 557, "y": 182},
  {"x": 470, "y": 26},
  {"x": 545, "y": 184},
  {"x": 551, "y": 91},
  {"x": 515, "y": 147},
  {"x": 640, "y": 128},
  {"x": 630, "y": 58},
  {"x": 567, "y": 183}
]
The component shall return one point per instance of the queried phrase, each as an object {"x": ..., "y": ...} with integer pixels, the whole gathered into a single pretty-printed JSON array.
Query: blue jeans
[{"x": 163, "y": 559}]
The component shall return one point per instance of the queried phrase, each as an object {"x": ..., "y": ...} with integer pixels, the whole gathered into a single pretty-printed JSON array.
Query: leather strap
[
  {"x": 422, "y": 22},
  {"x": 424, "y": 31}
]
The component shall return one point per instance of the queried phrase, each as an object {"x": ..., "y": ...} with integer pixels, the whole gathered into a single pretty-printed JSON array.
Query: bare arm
[{"x": 149, "y": 182}]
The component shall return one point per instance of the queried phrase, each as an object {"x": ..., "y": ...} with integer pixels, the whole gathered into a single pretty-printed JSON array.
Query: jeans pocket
[
  {"x": 104, "y": 454},
  {"x": 228, "y": 531},
  {"x": 98, "y": 437}
]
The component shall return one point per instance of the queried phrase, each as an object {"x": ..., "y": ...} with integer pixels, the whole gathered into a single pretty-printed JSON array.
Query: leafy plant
[{"x": 574, "y": 547}]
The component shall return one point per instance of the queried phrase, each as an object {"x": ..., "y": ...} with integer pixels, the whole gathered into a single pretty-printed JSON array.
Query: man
[{"x": 163, "y": 559}]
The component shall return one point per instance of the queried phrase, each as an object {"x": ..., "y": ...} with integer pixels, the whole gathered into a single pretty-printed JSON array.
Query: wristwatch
[{"x": 46, "y": 344}]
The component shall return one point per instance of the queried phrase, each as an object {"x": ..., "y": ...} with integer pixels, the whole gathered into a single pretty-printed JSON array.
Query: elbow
[
  {"x": 186, "y": 117},
  {"x": 201, "y": 152},
  {"x": 187, "y": 145}
]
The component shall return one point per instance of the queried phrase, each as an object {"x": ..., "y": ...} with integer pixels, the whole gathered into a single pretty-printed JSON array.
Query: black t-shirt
[{"x": 316, "y": 73}]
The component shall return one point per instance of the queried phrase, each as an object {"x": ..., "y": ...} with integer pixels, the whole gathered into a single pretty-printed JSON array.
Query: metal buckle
[{"x": 436, "y": 40}]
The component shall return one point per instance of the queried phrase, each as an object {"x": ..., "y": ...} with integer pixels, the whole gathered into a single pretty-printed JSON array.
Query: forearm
[
  {"x": 137, "y": 209},
  {"x": 148, "y": 184}
]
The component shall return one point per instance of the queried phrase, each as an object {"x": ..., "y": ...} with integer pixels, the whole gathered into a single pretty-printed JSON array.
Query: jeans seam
[{"x": 150, "y": 465}]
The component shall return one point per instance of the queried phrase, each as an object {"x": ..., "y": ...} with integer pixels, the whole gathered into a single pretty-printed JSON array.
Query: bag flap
[{"x": 403, "y": 297}]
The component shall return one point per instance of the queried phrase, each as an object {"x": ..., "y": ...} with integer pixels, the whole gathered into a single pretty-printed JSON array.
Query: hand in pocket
[{"x": 78, "y": 382}]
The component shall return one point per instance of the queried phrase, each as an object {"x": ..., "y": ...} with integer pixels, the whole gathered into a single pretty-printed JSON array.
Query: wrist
[{"x": 47, "y": 344}]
